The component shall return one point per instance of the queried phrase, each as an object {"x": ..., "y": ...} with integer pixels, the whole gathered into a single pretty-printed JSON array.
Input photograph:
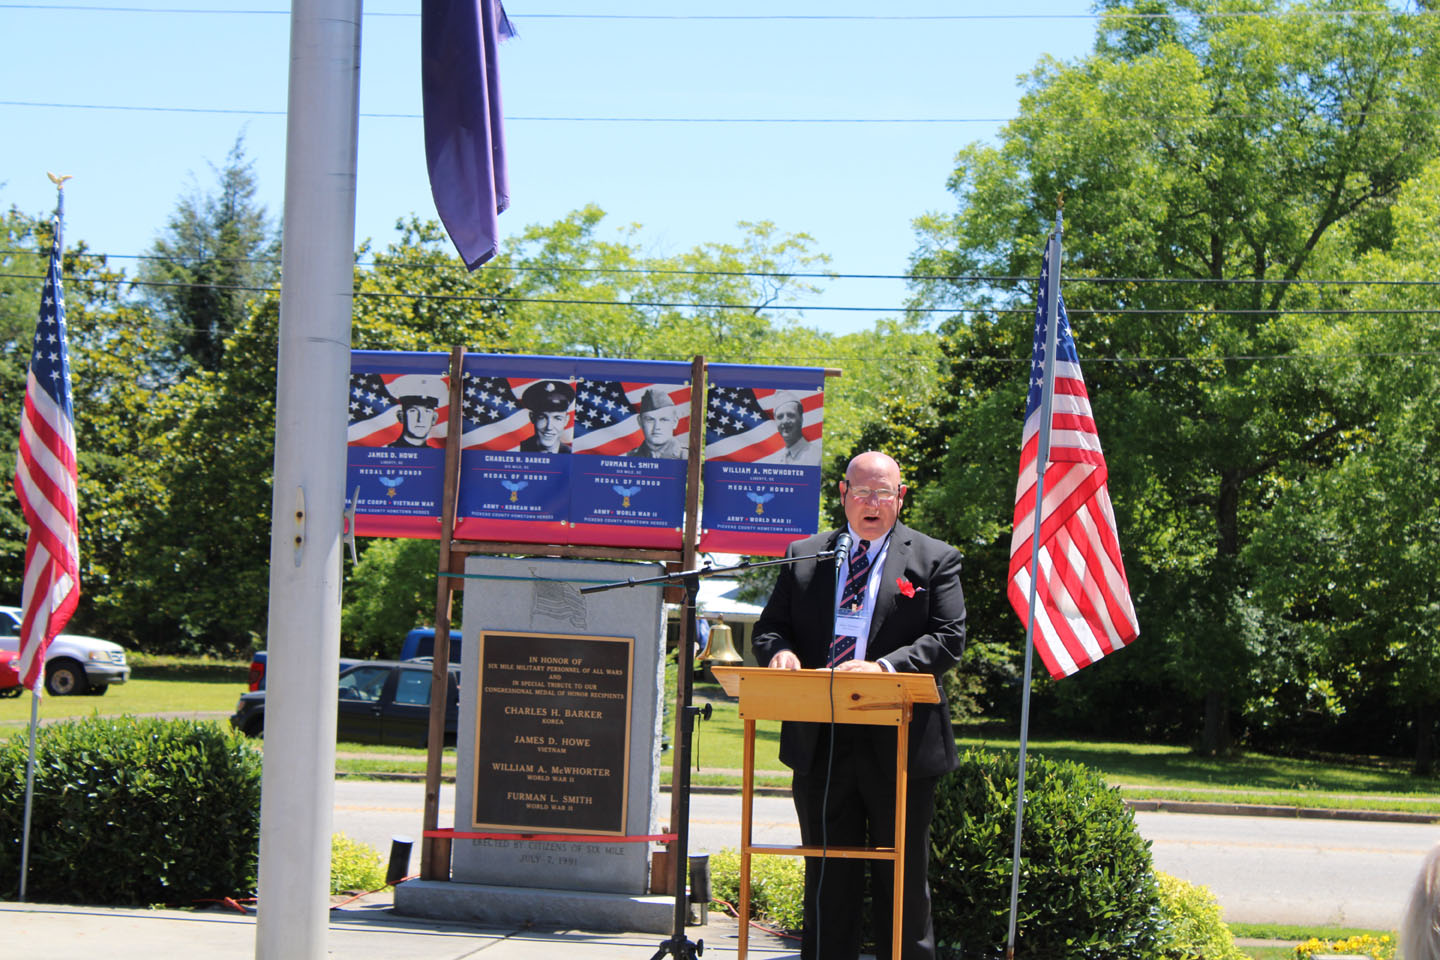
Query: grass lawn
[
  {"x": 1293, "y": 935},
  {"x": 1151, "y": 771},
  {"x": 157, "y": 685}
]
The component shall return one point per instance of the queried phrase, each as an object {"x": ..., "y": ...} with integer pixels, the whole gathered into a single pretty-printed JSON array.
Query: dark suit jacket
[{"x": 923, "y": 633}]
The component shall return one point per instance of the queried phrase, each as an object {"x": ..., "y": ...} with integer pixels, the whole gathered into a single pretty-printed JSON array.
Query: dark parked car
[
  {"x": 381, "y": 701},
  {"x": 419, "y": 642}
]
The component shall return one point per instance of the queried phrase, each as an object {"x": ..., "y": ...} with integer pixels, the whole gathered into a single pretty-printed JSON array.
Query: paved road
[
  {"x": 1261, "y": 869},
  {"x": 1265, "y": 869}
]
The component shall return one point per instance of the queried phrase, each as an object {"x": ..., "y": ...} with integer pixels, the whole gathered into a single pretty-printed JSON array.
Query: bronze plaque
[{"x": 552, "y": 744}]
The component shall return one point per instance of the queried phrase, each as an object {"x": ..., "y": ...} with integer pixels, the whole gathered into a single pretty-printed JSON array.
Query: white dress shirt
[{"x": 876, "y": 552}]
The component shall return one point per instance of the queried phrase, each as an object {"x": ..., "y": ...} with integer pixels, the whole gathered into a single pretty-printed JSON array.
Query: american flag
[
  {"x": 606, "y": 420},
  {"x": 738, "y": 424},
  {"x": 493, "y": 417},
  {"x": 374, "y": 411},
  {"x": 557, "y": 600},
  {"x": 45, "y": 479},
  {"x": 1083, "y": 609}
]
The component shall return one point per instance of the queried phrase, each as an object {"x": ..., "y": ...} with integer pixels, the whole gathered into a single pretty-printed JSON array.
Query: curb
[{"x": 1266, "y": 810}]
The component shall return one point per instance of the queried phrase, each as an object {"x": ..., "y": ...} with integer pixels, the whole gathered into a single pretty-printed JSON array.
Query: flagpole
[
  {"x": 29, "y": 788},
  {"x": 1042, "y": 455},
  {"x": 297, "y": 796},
  {"x": 40, "y": 677}
]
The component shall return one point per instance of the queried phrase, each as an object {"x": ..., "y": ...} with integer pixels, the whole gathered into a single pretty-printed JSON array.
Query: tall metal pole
[
  {"x": 317, "y": 266},
  {"x": 1042, "y": 455},
  {"x": 40, "y": 678}
]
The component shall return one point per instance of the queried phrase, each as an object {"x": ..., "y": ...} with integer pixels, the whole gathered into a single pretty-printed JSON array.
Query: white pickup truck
[{"x": 73, "y": 664}]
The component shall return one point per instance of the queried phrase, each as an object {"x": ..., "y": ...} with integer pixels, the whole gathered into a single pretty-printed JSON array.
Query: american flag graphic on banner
[
  {"x": 387, "y": 409},
  {"x": 740, "y": 422},
  {"x": 1083, "y": 609},
  {"x": 45, "y": 479},
  {"x": 606, "y": 414},
  {"x": 494, "y": 418}
]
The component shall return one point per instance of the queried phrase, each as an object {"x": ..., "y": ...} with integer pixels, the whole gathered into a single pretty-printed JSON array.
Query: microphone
[{"x": 842, "y": 550}]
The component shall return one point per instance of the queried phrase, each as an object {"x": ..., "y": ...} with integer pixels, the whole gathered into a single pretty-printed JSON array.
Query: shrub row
[{"x": 132, "y": 811}]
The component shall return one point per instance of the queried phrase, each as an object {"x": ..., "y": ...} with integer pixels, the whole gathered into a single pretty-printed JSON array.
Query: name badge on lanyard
[{"x": 849, "y": 625}]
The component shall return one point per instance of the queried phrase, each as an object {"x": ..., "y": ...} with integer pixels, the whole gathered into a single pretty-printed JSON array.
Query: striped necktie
[{"x": 852, "y": 598}]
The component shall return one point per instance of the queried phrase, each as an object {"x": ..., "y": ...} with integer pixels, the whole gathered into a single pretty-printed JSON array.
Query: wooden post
[{"x": 435, "y": 852}]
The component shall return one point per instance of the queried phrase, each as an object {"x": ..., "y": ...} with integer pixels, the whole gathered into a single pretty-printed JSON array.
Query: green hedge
[
  {"x": 355, "y": 867},
  {"x": 1087, "y": 885},
  {"x": 132, "y": 811},
  {"x": 1193, "y": 928},
  {"x": 777, "y": 887}
]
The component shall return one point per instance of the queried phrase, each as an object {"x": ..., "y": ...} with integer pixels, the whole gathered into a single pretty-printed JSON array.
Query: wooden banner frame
[{"x": 435, "y": 850}]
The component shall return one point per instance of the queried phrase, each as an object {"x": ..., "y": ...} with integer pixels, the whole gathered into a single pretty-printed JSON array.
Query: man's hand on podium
[
  {"x": 860, "y": 666},
  {"x": 785, "y": 660}
]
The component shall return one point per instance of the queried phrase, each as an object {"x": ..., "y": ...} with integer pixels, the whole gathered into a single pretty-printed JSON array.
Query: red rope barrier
[{"x": 447, "y": 833}]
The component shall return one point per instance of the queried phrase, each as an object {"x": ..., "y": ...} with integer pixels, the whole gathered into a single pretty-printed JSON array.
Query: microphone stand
[{"x": 679, "y": 946}]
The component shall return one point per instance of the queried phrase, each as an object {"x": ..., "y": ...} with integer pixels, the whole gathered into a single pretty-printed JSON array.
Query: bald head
[
  {"x": 872, "y": 494},
  {"x": 871, "y": 462}
]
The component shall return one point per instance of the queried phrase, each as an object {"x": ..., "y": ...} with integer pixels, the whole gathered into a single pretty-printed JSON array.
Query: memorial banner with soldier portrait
[
  {"x": 395, "y": 456},
  {"x": 515, "y": 448},
  {"x": 763, "y": 429},
  {"x": 632, "y": 441},
  {"x": 562, "y": 450}
]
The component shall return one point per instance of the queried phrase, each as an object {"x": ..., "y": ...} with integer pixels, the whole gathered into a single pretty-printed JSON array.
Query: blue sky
[{"x": 855, "y": 187}]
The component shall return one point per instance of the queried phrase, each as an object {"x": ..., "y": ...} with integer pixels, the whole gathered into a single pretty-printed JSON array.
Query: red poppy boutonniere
[{"x": 906, "y": 587}]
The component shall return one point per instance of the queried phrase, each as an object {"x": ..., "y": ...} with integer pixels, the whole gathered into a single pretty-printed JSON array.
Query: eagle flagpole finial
[{"x": 59, "y": 179}]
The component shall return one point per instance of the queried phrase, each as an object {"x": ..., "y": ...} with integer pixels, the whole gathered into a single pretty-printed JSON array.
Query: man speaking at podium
[{"x": 899, "y": 607}]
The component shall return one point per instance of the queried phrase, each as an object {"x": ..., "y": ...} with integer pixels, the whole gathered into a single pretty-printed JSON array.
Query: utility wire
[
  {"x": 938, "y": 360},
  {"x": 776, "y": 307},
  {"x": 1069, "y": 119},
  {"x": 719, "y": 356},
  {"x": 976, "y": 278},
  {"x": 833, "y": 17}
]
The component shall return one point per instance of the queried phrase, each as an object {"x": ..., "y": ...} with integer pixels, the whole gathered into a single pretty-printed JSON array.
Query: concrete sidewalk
[{"x": 365, "y": 930}]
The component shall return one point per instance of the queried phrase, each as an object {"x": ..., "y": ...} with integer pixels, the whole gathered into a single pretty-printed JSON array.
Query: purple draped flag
[{"x": 464, "y": 135}]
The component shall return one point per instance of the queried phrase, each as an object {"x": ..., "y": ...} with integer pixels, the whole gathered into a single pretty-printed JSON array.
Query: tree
[
  {"x": 1220, "y": 144},
  {"x": 578, "y": 294},
  {"x": 99, "y": 336},
  {"x": 19, "y": 308},
  {"x": 218, "y": 251},
  {"x": 417, "y": 295},
  {"x": 1345, "y": 555},
  {"x": 388, "y": 593}
]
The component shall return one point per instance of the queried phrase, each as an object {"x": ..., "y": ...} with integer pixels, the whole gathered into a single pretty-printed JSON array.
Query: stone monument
[{"x": 560, "y": 731}]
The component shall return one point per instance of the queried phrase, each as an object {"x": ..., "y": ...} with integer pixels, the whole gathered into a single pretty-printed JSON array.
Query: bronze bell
[{"x": 721, "y": 648}]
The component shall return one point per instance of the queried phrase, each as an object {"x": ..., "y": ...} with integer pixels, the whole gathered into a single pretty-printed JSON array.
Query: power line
[
  {"x": 834, "y": 359},
  {"x": 779, "y": 307},
  {"x": 974, "y": 278},
  {"x": 797, "y": 17},
  {"x": 734, "y": 121}
]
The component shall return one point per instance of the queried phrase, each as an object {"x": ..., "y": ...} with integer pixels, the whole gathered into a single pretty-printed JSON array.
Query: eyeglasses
[{"x": 865, "y": 493}]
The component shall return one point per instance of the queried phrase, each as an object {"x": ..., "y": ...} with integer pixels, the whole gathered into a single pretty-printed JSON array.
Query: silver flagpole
[
  {"x": 29, "y": 784},
  {"x": 1042, "y": 455},
  {"x": 40, "y": 680},
  {"x": 297, "y": 794}
]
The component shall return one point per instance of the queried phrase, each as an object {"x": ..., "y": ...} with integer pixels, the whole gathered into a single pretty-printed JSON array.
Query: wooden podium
[{"x": 823, "y": 696}]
